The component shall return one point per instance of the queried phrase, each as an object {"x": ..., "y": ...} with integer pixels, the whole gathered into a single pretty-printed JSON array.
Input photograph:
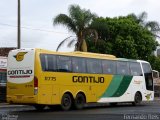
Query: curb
[{"x": 6, "y": 105}]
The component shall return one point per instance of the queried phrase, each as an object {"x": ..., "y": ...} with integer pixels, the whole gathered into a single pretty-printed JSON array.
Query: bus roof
[
  {"x": 132, "y": 60},
  {"x": 142, "y": 61},
  {"x": 79, "y": 54},
  {"x": 93, "y": 54}
]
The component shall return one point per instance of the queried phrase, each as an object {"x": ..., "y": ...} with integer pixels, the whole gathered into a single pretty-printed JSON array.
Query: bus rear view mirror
[{"x": 155, "y": 74}]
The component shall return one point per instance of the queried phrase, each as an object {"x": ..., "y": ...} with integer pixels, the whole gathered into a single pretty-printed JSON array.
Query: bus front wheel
[
  {"x": 137, "y": 98},
  {"x": 80, "y": 101},
  {"x": 66, "y": 102}
]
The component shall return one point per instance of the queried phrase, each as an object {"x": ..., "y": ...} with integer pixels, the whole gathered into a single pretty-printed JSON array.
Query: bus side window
[
  {"x": 48, "y": 62},
  {"x": 43, "y": 62},
  {"x": 122, "y": 68},
  {"x": 78, "y": 65},
  {"x": 64, "y": 64},
  {"x": 94, "y": 66},
  {"x": 135, "y": 69},
  {"x": 51, "y": 60},
  {"x": 108, "y": 66},
  {"x": 75, "y": 66}
]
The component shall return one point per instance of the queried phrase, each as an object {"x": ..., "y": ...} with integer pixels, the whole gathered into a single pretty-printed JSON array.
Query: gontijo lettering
[
  {"x": 87, "y": 79},
  {"x": 19, "y": 72}
]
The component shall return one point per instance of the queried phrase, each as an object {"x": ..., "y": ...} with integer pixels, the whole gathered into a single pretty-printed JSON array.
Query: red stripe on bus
[{"x": 25, "y": 76}]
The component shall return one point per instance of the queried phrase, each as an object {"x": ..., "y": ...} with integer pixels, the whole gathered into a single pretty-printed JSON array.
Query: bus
[
  {"x": 3, "y": 78},
  {"x": 42, "y": 78}
]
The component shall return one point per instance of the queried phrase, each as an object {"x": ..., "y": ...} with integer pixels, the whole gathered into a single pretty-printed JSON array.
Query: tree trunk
[
  {"x": 79, "y": 42},
  {"x": 84, "y": 46}
]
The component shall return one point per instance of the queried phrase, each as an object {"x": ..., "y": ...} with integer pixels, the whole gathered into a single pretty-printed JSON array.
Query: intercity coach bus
[{"x": 45, "y": 78}]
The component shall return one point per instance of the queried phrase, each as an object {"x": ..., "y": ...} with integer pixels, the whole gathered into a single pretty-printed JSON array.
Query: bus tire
[
  {"x": 80, "y": 101},
  {"x": 39, "y": 107},
  {"x": 137, "y": 99},
  {"x": 66, "y": 102}
]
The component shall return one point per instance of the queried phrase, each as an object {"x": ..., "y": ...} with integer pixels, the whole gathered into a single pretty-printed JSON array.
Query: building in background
[
  {"x": 3, "y": 78},
  {"x": 4, "y": 51},
  {"x": 3, "y": 72}
]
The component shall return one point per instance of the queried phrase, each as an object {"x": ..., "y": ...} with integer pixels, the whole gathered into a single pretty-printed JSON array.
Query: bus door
[{"x": 148, "y": 76}]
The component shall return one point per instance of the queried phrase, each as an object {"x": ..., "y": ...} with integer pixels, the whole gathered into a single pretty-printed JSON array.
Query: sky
[{"x": 37, "y": 19}]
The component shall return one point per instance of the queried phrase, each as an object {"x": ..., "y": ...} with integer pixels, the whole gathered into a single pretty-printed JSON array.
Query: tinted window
[
  {"x": 51, "y": 60},
  {"x": 78, "y": 65},
  {"x": 146, "y": 68},
  {"x": 148, "y": 76},
  {"x": 122, "y": 68},
  {"x": 43, "y": 64},
  {"x": 135, "y": 69},
  {"x": 64, "y": 64},
  {"x": 94, "y": 66},
  {"x": 109, "y": 67},
  {"x": 48, "y": 62}
]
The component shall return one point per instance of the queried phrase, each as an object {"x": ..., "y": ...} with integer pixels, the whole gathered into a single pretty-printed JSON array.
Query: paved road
[{"x": 145, "y": 111}]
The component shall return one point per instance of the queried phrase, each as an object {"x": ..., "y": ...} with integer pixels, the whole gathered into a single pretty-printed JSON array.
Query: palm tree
[
  {"x": 78, "y": 22},
  {"x": 152, "y": 26}
]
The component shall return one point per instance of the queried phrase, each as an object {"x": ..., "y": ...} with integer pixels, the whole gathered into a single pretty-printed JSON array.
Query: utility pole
[{"x": 19, "y": 27}]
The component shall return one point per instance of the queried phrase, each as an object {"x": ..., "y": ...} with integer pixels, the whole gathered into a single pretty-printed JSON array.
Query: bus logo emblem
[{"x": 20, "y": 56}]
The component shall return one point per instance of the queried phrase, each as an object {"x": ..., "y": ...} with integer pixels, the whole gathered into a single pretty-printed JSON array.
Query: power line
[
  {"x": 36, "y": 29},
  {"x": 43, "y": 30}
]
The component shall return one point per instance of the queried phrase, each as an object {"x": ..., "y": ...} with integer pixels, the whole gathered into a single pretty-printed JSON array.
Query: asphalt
[
  {"x": 146, "y": 110},
  {"x": 5, "y": 105}
]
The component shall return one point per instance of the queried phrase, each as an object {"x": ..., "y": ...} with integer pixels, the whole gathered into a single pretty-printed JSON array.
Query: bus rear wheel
[
  {"x": 80, "y": 101},
  {"x": 137, "y": 99},
  {"x": 66, "y": 102}
]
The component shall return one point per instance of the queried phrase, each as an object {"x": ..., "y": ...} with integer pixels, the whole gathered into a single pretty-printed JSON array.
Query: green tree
[
  {"x": 125, "y": 47},
  {"x": 155, "y": 62},
  {"x": 100, "y": 47},
  {"x": 141, "y": 19},
  {"x": 78, "y": 21},
  {"x": 125, "y": 37}
]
